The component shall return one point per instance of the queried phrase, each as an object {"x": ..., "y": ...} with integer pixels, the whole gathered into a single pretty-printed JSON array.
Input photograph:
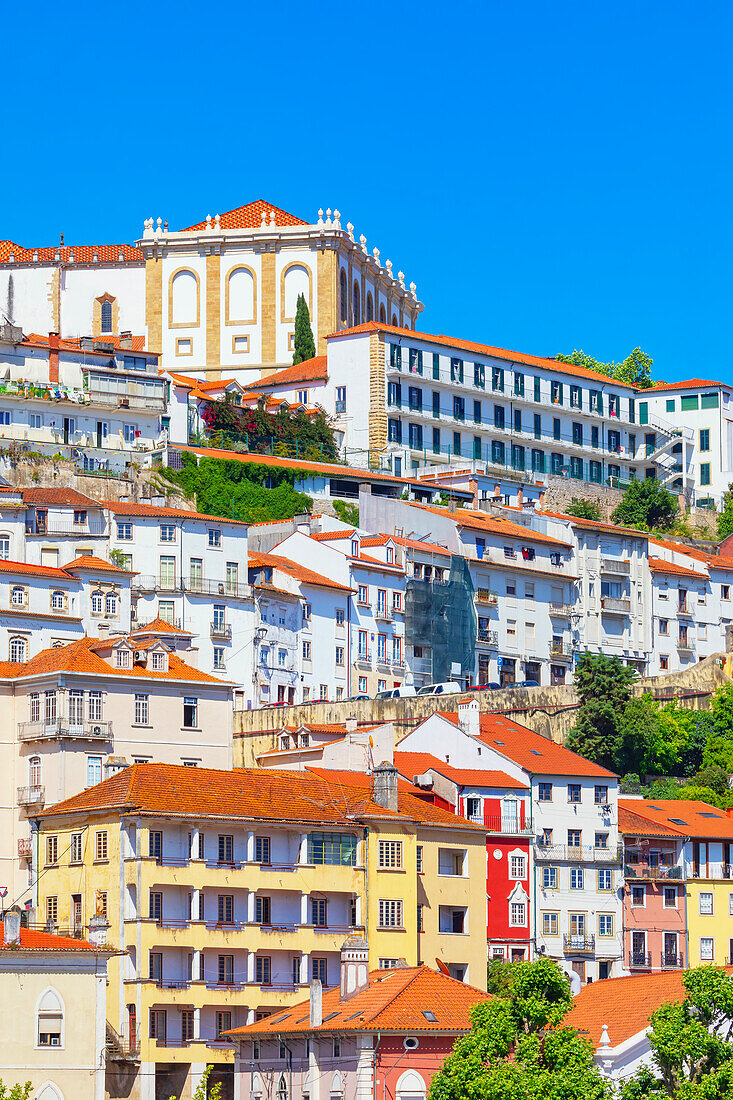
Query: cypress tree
[{"x": 305, "y": 345}]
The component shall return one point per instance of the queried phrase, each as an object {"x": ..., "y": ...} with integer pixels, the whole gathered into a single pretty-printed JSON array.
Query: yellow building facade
[{"x": 228, "y": 892}]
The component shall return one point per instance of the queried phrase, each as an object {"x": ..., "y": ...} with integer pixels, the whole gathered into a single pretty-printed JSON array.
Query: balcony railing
[
  {"x": 647, "y": 871},
  {"x": 484, "y": 595},
  {"x": 713, "y": 870},
  {"x": 684, "y": 609},
  {"x": 561, "y": 649},
  {"x": 612, "y": 565},
  {"x": 640, "y": 960},
  {"x": 31, "y": 796},
  {"x": 194, "y": 585},
  {"x": 672, "y": 961},
  {"x": 686, "y": 645},
  {"x": 25, "y": 847},
  {"x": 384, "y": 614},
  {"x": 63, "y": 729},
  {"x": 614, "y": 605},
  {"x": 561, "y": 610},
  {"x": 127, "y": 401},
  {"x": 488, "y": 637},
  {"x": 95, "y": 527},
  {"x": 579, "y": 854},
  {"x": 579, "y": 944},
  {"x": 221, "y": 631},
  {"x": 512, "y": 826}
]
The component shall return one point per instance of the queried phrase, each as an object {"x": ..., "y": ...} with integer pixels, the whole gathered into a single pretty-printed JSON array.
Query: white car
[{"x": 448, "y": 687}]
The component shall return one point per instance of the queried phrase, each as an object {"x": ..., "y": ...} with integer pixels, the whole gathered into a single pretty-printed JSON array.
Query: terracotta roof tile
[
  {"x": 687, "y": 384},
  {"x": 297, "y": 572},
  {"x": 333, "y": 536},
  {"x": 22, "y": 568},
  {"x": 394, "y": 1000},
  {"x": 74, "y": 344},
  {"x": 417, "y": 763},
  {"x": 250, "y": 217},
  {"x": 659, "y": 565},
  {"x": 713, "y": 561},
  {"x": 33, "y": 940},
  {"x": 64, "y": 498},
  {"x": 594, "y": 525},
  {"x": 496, "y": 525},
  {"x": 632, "y": 824},
  {"x": 159, "y": 626},
  {"x": 89, "y": 561},
  {"x": 312, "y": 370},
  {"x": 126, "y": 508},
  {"x": 169, "y": 790},
  {"x": 81, "y": 253},
  {"x": 482, "y": 350},
  {"x": 683, "y": 817},
  {"x": 325, "y": 469},
  {"x": 623, "y": 1004}
]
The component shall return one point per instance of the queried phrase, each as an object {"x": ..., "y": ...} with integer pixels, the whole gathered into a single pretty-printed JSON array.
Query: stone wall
[
  {"x": 550, "y": 711},
  {"x": 138, "y": 485},
  {"x": 561, "y": 490}
]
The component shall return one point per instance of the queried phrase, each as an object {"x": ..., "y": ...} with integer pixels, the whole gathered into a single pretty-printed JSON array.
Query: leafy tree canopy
[
  {"x": 235, "y": 490},
  {"x": 646, "y": 504},
  {"x": 583, "y": 509},
  {"x": 517, "y": 1048},
  {"x": 16, "y": 1092},
  {"x": 348, "y": 513},
  {"x": 690, "y": 1043},
  {"x": 725, "y": 518},
  {"x": 287, "y": 432},
  {"x": 604, "y": 686},
  {"x": 305, "y": 345},
  {"x": 634, "y": 370}
]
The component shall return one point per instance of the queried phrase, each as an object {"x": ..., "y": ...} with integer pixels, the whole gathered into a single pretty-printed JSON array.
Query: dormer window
[
  {"x": 124, "y": 658},
  {"x": 158, "y": 662},
  {"x": 355, "y": 548},
  {"x": 390, "y": 555}
]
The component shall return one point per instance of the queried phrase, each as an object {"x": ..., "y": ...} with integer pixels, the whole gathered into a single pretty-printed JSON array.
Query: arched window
[
  {"x": 369, "y": 307},
  {"x": 111, "y": 603},
  {"x": 57, "y": 601},
  {"x": 97, "y": 603},
  {"x": 18, "y": 650},
  {"x": 357, "y": 304},
  {"x": 382, "y": 314},
  {"x": 106, "y": 316},
  {"x": 49, "y": 1091},
  {"x": 344, "y": 297},
  {"x": 410, "y": 1086},
  {"x": 50, "y": 1020},
  {"x": 34, "y": 771},
  {"x": 183, "y": 298},
  {"x": 394, "y": 320},
  {"x": 17, "y": 596},
  {"x": 282, "y": 1088}
]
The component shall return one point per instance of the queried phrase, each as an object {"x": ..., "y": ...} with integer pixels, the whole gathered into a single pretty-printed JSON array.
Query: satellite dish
[{"x": 442, "y": 968}]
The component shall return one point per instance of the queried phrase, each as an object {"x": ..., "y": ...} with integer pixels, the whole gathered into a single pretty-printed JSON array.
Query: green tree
[
  {"x": 604, "y": 686},
  {"x": 725, "y": 518},
  {"x": 234, "y": 489},
  {"x": 719, "y": 745},
  {"x": 583, "y": 509},
  {"x": 348, "y": 513},
  {"x": 692, "y": 1056},
  {"x": 646, "y": 504},
  {"x": 634, "y": 370},
  {"x": 16, "y": 1092},
  {"x": 517, "y": 1048},
  {"x": 203, "y": 1092},
  {"x": 305, "y": 345}
]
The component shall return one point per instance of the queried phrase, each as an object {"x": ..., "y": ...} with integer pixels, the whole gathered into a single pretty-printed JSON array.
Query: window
[
  {"x": 50, "y": 1020},
  {"x": 319, "y": 912},
  {"x": 190, "y": 713},
  {"x": 226, "y": 969},
  {"x": 110, "y": 603},
  {"x": 390, "y": 913},
  {"x": 18, "y": 650},
  {"x": 605, "y": 924},
  {"x": 517, "y": 867},
  {"x": 167, "y": 532},
  {"x": 418, "y": 855},
  {"x": 550, "y": 924},
  {"x": 605, "y": 879},
  {"x": 97, "y": 603},
  {"x": 124, "y": 532},
  {"x": 705, "y": 473},
  {"x": 549, "y": 878},
  {"x": 452, "y": 921},
  {"x": 318, "y": 970},
  {"x": 214, "y": 539},
  {"x": 141, "y": 710},
  {"x": 390, "y": 854},
  {"x": 517, "y": 913},
  {"x": 226, "y": 848},
  {"x": 76, "y": 848},
  {"x": 670, "y": 897},
  {"x": 576, "y": 878},
  {"x": 573, "y": 792},
  {"x": 638, "y": 895},
  {"x": 100, "y": 844},
  {"x": 158, "y": 661},
  {"x": 706, "y": 903},
  {"x": 664, "y": 626},
  {"x": 601, "y": 840},
  {"x": 58, "y": 600},
  {"x": 17, "y": 596},
  {"x": 52, "y": 850},
  {"x": 35, "y": 420},
  {"x": 600, "y": 795},
  {"x": 94, "y": 770},
  {"x": 123, "y": 658},
  {"x": 574, "y": 838},
  {"x": 706, "y": 942},
  {"x": 705, "y": 439},
  {"x": 337, "y": 849},
  {"x": 340, "y": 616},
  {"x": 262, "y": 849},
  {"x": 263, "y": 910}
]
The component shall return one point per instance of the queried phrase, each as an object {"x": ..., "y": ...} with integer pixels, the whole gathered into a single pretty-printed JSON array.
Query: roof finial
[
  {"x": 264, "y": 218},
  {"x": 350, "y": 230},
  {"x": 375, "y": 253},
  {"x": 272, "y": 218},
  {"x": 605, "y": 1039},
  {"x": 362, "y": 242},
  {"x": 62, "y": 240},
  {"x": 320, "y": 218},
  {"x": 328, "y": 217},
  {"x": 337, "y": 219}
]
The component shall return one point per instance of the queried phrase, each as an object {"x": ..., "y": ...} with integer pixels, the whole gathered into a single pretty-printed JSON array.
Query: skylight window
[
  {"x": 676, "y": 820},
  {"x": 430, "y": 1016},
  {"x": 330, "y": 1016},
  {"x": 535, "y": 752},
  {"x": 702, "y": 814},
  {"x": 353, "y": 1016}
]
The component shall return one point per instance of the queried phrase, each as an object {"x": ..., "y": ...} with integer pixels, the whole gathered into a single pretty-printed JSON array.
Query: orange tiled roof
[
  {"x": 331, "y": 536},
  {"x": 482, "y": 521},
  {"x": 416, "y": 763},
  {"x": 89, "y": 561},
  {"x": 685, "y": 818},
  {"x": 408, "y": 544},
  {"x": 623, "y": 1004},
  {"x": 34, "y": 339},
  {"x": 126, "y": 508},
  {"x": 81, "y": 656},
  {"x": 298, "y": 572},
  {"x": 312, "y": 370},
  {"x": 160, "y": 626},
  {"x": 34, "y": 940},
  {"x": 483, "y": 350},
  {"x": 538, "y": 755},
  {"x": 27, "y": 569},
  {"x": 713, "y": 561},
  {"x": 171, "y": 790},
  {"x": 81, "y": 253},
  {"x": 632, "y": 824},
  {"x": 394, "y": 1001},
  {"x": 250, "y": 217},
  {"x": 592, "y": 524},
  {"x": 64, "y": 498},
  {"x": 688, "y": 384},
  {"x": 659, "y": 565}
]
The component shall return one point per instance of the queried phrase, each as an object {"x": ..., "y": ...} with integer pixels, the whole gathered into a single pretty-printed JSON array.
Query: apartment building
[
  {"x": 76, "y": 713},
  {"x": 655, "y": 892},
  {"x": 575, "y": 857},
  {"x": 688, "y": 433},
  {"x": 100, "y": 400},
  {"x": 228, "y": 892}
]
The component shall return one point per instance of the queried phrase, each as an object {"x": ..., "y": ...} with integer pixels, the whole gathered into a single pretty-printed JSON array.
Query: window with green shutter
[
  {"x": 436, "y": 364},
  {"x": 519, "y": 384},
  {"x": 537, "y": 390},
  {"x": 709, "y": 401},
  {"x": 687, "y": 404},
  {"x": 643, "y": 412},
  {"x": 670, "y": 405},
  {"x": 705, "y": 473}
]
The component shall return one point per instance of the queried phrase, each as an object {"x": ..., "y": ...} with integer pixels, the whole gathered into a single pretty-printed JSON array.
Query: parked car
[
  {"x": 280, "y": 703},
  {"x": 357, "y": 698},
  {"x": 448, "y": 687},
  {"x": 525, "y": 684},
  {"x": 396, "y": 693},
  {"x": 493, "y": 686}
]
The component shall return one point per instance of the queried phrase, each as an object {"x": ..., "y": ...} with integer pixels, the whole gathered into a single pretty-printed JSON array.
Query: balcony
[
  {"x": 619, "y": 568},
  {"x": 127, "y": 401},
  {"x": 488, "y": 637},
  {"x": 568, "y": 852},
  {"x": 684, "y": 609},
  {"x": 95, "y": 527},
  {"x": 195, "y": 585},
  {"x": 640, "y": 960},
  {"x": 383, "y": 614},
  {"x": 612, "y": 605},
  {"x": 62, "y": 729},
  {"x": 686, "y": 645},
  {"x": 578, "y": 944},
  {"x": 221, "y": 631},
  {"x": 25, "y": 848},
  {"x": 658, "y": 872},
  {"x": 561, "y": 610},
  {"x": 509, "y": 826},
  {"x": 31, "y": 796},
  {"x": 671, "y": 961},
  {"x": 483, "y": 595},
  {"x": 561, "y": 651}
]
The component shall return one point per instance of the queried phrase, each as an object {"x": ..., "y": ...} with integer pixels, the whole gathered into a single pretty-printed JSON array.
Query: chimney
[
  {"x": 468, "y": 718},
  {"x": 11, "y": 928},
  {"x": 384, "y": 785},
  {"x": 316, "y": 1003},
  {"x": 473, "y": 488},
  {"x": 103, "y": 630},
  {"x": 520, "y": 496},
  {"x": 126, "y": 340},
  {"x": 354, "y": 967},
  {"x": 351, "y": 725},
  {"x": 53, "y": 356}
]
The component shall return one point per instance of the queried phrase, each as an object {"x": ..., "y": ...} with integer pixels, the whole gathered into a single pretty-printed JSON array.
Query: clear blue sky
[{"x": 551, "y": 175}]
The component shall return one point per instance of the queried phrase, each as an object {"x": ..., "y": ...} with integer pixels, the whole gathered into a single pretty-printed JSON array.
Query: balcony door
[
  {"x": 670, "y": 948},
  {"x": 638, "y": 948}
]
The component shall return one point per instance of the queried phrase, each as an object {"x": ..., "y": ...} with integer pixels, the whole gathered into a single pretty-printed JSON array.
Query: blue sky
[{"x": 551, "y": 175}]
